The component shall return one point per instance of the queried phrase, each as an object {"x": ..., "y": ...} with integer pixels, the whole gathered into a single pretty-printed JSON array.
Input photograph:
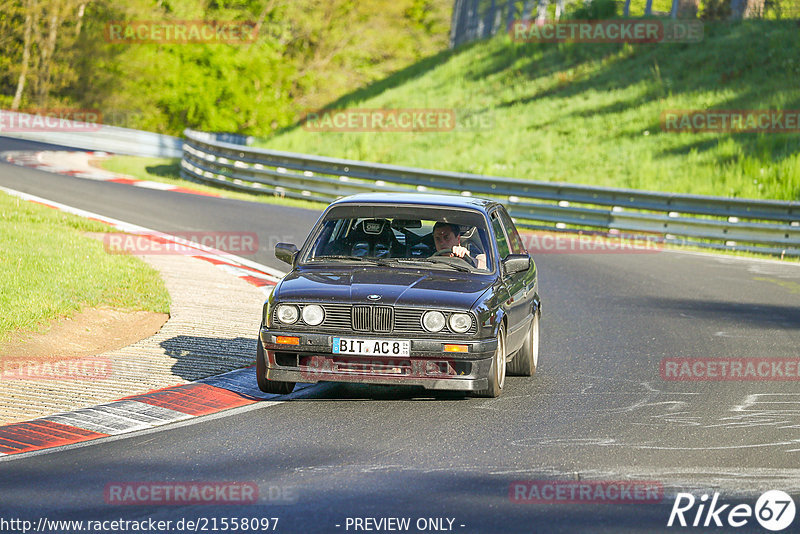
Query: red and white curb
[
  {"x": 138, "y": 412},
  {"x": 76, "y": 163},
  {"x": 158, "y": 407}
]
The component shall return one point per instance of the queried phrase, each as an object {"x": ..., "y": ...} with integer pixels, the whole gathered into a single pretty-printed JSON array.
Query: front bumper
[{"x": 428, "y": 365}]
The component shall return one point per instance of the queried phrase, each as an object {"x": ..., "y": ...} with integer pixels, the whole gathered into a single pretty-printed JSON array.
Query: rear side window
[
  {"x": 499, "y": 234},
  {"x": 517, "y": 246}
]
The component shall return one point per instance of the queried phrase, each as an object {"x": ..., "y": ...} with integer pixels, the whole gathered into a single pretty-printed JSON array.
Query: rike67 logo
[{"x": 774, "y": 510}]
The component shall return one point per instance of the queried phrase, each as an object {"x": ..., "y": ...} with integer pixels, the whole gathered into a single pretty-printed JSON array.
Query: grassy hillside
[
  {"x": 590, "y": 113},
  {"x": 49, "y": 269}
]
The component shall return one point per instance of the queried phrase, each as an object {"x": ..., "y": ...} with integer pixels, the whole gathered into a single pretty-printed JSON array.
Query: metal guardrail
[
  {"x": 756, "y": 225},
  {"x": 89, "y": 136}
]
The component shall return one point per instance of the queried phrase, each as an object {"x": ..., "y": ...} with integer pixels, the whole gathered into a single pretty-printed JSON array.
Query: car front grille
[
  {"x": 341, "y": 318},
  {"x": 382, "y": 319},
  {"x": 361, "y": 318},
  {"x": 372, "y": 319}
]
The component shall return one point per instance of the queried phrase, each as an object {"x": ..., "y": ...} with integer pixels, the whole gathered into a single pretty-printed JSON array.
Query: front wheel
[
  {"x": 497, "y": 374},
  {"x": 527, "y": 359},
  {"x": 269, "y": 386}
]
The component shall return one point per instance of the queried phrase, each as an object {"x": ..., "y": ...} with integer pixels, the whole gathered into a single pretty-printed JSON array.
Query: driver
[{"x": 447, "y": 237}]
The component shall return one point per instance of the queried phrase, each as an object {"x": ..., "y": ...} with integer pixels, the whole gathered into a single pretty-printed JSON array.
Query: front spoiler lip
[
  {"x": 420, "y": 348},
  {"x": 320, "y": 344},
  {"x": 453, "y": 384}
]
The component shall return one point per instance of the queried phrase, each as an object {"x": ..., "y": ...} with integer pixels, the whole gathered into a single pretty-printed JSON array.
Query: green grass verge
[
  {"x": 48, "y": 269},
  {"x": 168, "y": 171},
  {"x": 590, "y": 113}
]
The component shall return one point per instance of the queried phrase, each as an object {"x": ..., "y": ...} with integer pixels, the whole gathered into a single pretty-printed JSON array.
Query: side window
[
  {"x": 517, "y": 246},
  {"x": 323, "y": 240},
  {"x": 499, "y": 234}
]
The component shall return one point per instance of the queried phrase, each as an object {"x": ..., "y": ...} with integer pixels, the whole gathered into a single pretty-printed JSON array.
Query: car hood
[{"x": 409, "y": 287}]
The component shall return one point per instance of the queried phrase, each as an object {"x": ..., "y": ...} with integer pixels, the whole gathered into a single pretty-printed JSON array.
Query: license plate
[{"x": 371, "y": 347}]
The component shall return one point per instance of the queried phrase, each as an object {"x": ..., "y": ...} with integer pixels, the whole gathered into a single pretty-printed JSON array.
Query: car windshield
[{"x": 434, "y": 237}]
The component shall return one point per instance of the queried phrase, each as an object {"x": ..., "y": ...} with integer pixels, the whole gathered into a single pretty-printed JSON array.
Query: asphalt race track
[{"x": 598, "y": 408}]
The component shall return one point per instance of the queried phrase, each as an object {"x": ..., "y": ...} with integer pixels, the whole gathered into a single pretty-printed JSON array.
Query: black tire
[
  {"x": 497, "y": 373},
  {"x": 269, "y": 386},
  {"x": 527, "y": 359}
]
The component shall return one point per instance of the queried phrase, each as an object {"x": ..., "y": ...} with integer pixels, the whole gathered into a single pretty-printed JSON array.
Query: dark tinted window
[
  {"x": 499, "y": 234},
  {"x": 398, "y": 232},
  {"x": 517, "y": 246}
]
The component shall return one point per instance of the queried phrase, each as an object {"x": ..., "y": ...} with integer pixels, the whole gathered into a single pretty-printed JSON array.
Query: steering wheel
[{"x": 444, "y": 252}]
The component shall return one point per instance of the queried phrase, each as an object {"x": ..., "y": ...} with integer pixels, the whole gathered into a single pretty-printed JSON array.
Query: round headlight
[
  {"x": 288, "y": 313},
  {"x": 313, "y": 314},
  {"x": 433, "y": 321},
  {"x": 460, "y": 322}
]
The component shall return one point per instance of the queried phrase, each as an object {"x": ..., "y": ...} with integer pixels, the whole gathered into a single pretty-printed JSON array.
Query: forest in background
[
  {"x": 57, "y": 55},
  {"x": 307, "y": 53}
]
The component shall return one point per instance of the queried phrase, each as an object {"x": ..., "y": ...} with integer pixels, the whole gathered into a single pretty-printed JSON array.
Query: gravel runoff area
[{"x": 213, "y": 326}]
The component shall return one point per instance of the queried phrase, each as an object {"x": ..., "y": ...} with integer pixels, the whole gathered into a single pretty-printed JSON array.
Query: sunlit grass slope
[
  {"x": 49, "y": 269},
  {"x": 590, "y": 113}
]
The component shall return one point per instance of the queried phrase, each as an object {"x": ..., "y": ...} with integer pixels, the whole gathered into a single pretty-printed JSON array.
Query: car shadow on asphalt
[
  {"x": 346, "y": 391},
  {"x": 199, "y": 357}
]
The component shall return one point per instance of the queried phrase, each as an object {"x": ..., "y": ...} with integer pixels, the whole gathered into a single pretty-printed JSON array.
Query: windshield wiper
[
  {"x": 321, "y": 258},
  {"x": 385, "y": 262},
  {"x": 376, "y": 261},
  {"x": 437, "y": 262}
]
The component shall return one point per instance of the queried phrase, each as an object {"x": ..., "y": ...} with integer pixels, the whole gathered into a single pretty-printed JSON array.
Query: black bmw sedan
[{"x": 394, "y": 288}]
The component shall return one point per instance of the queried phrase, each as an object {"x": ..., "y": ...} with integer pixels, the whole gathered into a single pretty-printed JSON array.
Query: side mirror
[
  {"x": 516, "y": 263},
  {"x": 286, "y": 252}
]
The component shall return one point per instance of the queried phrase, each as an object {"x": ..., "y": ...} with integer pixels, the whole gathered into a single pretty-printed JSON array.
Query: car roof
[{"x": 422, "y": 199}]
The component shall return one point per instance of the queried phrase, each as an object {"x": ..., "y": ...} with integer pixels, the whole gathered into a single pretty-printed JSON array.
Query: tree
[
  {"x": 684, "y": 9},
  {"x": 746, "y": 9},
  {"x": 31, "y": 9},
  {"x": 560, "y": 8},
  {"x": 306, "y": 54},
  {"x": 38, "y": 65},
  {"x": 542, "y": 11},
  {"x": 47, "y": 49}
]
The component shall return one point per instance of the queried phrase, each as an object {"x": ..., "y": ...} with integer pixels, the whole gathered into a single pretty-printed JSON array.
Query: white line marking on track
[{"x": 154, "y": 185}]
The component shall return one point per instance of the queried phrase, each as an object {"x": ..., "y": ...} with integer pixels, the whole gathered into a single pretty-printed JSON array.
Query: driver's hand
[{"x": 460, "y": 251}]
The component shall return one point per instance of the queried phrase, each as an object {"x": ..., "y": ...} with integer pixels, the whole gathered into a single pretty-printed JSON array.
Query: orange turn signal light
[
  {"x": 456, "y": 348},
  {"x": 287, "y": 340}
]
